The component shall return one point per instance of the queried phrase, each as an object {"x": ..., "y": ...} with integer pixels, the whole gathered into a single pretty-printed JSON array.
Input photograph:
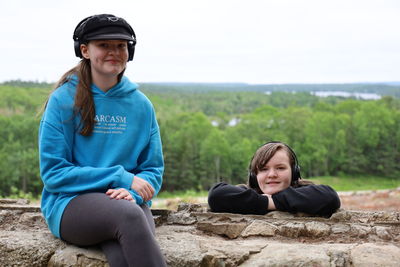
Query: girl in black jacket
[{"x": 274, "y": 183}]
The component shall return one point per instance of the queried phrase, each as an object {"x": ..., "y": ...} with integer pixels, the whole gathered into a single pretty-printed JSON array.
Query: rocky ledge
[{"x": 193, "y": 236}]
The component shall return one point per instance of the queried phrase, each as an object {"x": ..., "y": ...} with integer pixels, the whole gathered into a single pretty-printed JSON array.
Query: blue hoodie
[{"x": 125, "y": 142}]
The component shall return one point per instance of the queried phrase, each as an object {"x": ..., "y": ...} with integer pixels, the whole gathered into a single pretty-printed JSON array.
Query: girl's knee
[{"x": 132, "y": 212}]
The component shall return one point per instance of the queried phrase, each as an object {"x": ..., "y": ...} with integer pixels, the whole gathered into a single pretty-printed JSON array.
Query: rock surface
[{"x": 192, "y": 236}]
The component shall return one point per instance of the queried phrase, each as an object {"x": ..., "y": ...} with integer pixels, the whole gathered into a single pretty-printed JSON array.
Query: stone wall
[{"x": 192, "y": 236}]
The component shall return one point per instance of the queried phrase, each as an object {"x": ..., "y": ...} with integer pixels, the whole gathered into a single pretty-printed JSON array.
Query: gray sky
[{"x": 251, "y": 41}]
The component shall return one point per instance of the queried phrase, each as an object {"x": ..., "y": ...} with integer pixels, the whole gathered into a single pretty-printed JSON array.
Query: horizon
[{"x": 389, "y": 83}]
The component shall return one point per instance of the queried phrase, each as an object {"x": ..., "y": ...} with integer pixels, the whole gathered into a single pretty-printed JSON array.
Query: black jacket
[{"x": 319, "y": 200}]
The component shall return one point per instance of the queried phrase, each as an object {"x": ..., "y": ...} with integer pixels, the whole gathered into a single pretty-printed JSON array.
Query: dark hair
[{"x": 261, "y": 158}]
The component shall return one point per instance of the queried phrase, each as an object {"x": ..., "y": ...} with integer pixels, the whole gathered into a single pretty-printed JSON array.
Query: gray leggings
[{"x": 124, "y": 230}]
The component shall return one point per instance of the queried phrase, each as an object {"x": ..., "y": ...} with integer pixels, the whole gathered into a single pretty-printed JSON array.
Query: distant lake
[
  {"x": 366, "y": 96},
  {"x": 231, "y": 123}
]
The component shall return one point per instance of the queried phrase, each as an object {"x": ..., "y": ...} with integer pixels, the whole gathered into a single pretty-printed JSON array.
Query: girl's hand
[
  {"x": 120, "y": 193},
  {"x": 143, "y": 188},
  {"x": 271, "y": 203}
]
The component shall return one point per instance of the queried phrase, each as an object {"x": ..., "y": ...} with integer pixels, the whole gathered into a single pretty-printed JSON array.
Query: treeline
[
  {"x": 387, "y": 89},
  {"x": 27, "y": 84},
  {"x": 209, "y": 137}
]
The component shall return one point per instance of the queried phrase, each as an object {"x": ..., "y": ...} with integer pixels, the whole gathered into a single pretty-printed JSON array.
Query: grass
[
  {"x": 171, "y": 200},
  {"x": 183, "y": 194},
  {"x": 357, "y": 183}
]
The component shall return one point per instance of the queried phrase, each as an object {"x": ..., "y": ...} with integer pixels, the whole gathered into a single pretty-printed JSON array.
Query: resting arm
[
  {"x": 236, "y": 199},
  {"x": 312, "y": 199}
]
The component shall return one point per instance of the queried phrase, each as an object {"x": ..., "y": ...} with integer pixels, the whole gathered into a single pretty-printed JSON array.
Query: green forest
[{"x": 210, "y": 131}]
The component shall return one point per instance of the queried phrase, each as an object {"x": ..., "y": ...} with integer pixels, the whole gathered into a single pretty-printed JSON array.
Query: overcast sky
[{"x": 251, "y": 41}]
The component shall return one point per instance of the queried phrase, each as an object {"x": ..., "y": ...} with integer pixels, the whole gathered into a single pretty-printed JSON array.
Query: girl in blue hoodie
[{"x": 100, "y": 150}]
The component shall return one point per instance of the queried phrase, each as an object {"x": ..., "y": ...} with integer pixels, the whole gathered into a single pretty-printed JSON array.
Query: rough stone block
[
  {"x": 276, "y": 254},
  {"x": 382, "y": 255},
  {"x": 383, "y": 232},
  {"x": 27, "y": 248},
  {"x": 260, "y": 228},
  {"x": 360, "y": 230},
  {"x": 231, "y": 230},
  {"x": 316, "y": 229},
  {"x": 340, "y": 228},
  {"x": 72, "y": 256},
  {"x": 292, "y": 229}
]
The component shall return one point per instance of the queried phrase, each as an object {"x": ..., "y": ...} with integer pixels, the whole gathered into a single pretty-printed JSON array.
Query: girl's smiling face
[
  {"x": 276, "y": 175},
  {"x": 108, "y": 58}
]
